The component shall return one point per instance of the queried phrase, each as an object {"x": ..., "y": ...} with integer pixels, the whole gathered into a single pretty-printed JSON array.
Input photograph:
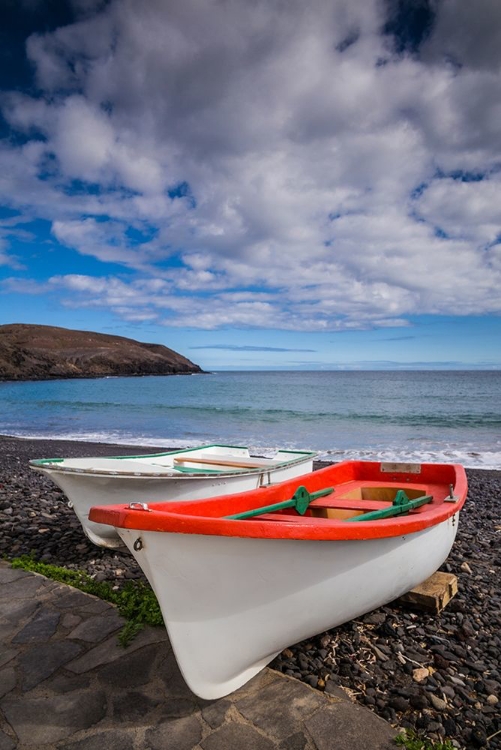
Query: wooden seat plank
[
  {"x": 345, "y": 504},
  {"x": 288, "y": 517},
  {"x": 235, "y": 461}
]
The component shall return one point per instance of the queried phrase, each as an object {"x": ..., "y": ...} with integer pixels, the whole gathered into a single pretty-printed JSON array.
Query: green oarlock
[{"x": 299, "y": 501}]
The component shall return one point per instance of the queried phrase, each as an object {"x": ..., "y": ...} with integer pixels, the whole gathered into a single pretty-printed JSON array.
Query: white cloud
[
  {"x": 466, "y": 210},
  {"x": 310, "y": 170},
  {"x": 103, "y": 240},
  {"x": 6, "y": 259}
]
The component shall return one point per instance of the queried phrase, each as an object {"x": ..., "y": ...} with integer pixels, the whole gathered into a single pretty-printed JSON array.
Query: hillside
[{"x": 33, "y": 352}]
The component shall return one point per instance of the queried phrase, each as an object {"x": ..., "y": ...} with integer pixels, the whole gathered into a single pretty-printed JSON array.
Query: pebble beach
[{"x": 437, "y": 674}]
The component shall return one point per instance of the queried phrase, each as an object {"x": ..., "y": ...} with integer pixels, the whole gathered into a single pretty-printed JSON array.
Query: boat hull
[
  {"x": 231, "y": 604},
  {"x": 86, "y": 489}
]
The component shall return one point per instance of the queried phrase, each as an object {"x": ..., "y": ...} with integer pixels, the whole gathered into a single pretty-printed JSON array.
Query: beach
[{"x": 438, "y": 674}]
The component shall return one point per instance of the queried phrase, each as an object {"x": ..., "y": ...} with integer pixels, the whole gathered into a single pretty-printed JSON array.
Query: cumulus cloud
[{"x": 292, "y": 165}]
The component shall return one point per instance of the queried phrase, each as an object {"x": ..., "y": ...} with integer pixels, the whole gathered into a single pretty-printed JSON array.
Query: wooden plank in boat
[
  {"x": 348, "y": 503},
  {"x": 236, "y": 461},
  {"x": 433, "y": 594}
]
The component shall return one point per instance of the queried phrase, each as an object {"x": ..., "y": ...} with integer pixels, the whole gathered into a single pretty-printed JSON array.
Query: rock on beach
[{"x": 436, "y": 674}]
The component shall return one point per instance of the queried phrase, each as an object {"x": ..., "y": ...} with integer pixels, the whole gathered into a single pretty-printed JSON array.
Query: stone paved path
[{"x": 66, "y": 683}]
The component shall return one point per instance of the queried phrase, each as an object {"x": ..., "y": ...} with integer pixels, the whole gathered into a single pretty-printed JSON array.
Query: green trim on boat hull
[{"x": 43, "y": 461}]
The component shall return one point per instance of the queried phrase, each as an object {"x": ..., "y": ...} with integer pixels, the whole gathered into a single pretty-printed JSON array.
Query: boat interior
[
  {"x": 315, "y": 505},
  {"x": 354, "y": 500},
  {"x": 359, "y": 499}
]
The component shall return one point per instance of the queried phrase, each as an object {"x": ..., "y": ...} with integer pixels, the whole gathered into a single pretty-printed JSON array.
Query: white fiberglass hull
[
  {"x": 85, "y": 489},
  {"x": 231, "y": 604}
]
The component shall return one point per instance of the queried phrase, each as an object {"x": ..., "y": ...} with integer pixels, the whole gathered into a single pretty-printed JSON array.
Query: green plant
[
  {"x": 412, "y": 741},
  {"x": 129, "y": 632},
  {"x": 135, "y": 601}
]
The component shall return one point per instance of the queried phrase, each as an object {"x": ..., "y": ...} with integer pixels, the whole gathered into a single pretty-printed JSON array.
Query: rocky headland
[{"x": 36, "y": 352}]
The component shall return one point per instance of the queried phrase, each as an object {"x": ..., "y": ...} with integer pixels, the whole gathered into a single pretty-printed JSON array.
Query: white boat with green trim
[{"x": 194, "y": 474}]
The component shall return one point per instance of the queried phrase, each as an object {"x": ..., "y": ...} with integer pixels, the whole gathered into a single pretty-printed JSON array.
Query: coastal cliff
[{"x": 36, "y": 352}]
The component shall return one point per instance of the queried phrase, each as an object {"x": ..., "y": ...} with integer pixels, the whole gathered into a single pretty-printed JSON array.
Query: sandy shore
[{"x": 375, "y": 658}]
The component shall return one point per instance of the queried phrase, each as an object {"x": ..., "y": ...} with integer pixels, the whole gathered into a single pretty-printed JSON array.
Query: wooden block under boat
[{"x": 433, "y": 594}]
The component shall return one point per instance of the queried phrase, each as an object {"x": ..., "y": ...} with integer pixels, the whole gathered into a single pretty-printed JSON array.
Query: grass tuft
[{"x": 412, "y": 741}]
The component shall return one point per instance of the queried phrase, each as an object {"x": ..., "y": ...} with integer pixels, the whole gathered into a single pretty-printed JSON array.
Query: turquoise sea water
[{"x": 435, "y": 416}]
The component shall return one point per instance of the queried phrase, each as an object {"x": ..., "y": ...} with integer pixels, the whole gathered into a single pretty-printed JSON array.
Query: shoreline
[
  {"x": 112, "y": 447},
  {"x": 373, "y": 658}
]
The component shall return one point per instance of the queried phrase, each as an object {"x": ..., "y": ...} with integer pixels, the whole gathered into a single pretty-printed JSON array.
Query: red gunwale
[{"x": 206, "y": 517}]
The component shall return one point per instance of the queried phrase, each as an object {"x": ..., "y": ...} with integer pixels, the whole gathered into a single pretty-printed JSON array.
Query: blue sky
[{"x": 256, "y": 184}]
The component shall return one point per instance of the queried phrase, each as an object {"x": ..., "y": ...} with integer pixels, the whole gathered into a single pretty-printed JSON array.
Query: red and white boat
[{"x": 238, "y": 578}]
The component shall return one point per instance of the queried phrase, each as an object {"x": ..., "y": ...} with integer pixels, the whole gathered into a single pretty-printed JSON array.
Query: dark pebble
[
  {"x": 419, "y": 702},
  {"x": 449, "y": 726},
  {"x": 478, "y": 737},
  {"x": 399, "y": 704}
]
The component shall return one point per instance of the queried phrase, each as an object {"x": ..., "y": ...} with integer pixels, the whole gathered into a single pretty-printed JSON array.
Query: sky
[{"x": 257, "y": 184}]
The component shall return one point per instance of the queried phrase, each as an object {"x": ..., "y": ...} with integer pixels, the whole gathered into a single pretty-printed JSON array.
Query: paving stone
[
  {"x": 110, "y": 650},
  {"x": 65, "y": 683},
  {"x": 169, "y": 672},
  {"x": 97, "y": 628},
  {"x": 6, "y": 742},
  {"x": 7, "y": 680},
  {"x": 17, "y": 611},
  {"x": 132, "y": 670},
  {"x": 70, "y": 620},
  {"x": 235, "y": 735},
  {"x": 39, "y": 663},
  {"x": 297, "y": 702},
  {"x": 96, "y": 606},
  {"x": 294, "y": 742},
  {"x": 335, "y": 691},
  {"x": 8, "y": 574},
  {"x": 67, "y": 598},
  {"x": 110, "y": 739},
  {"x": 40, "y": 628},
  {"x": 39, "y": 721},
  {"x": 178, "y": 734},
  {"x": 354, "y": 724},
  {"x": 23, "y": 588},
  {"x": 132, "y": 706},
  {"x": 106, "y": 652},
  {"x": 6, "y": 655},
  {"x": 175, "y": 708},
  {"x": 8, "y": 630},
  {"x": 263, "y": 679},
  {"x": 215, "y": 713}
]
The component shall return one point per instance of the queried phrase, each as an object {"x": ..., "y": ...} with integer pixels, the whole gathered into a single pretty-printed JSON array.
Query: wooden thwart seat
[
  {"x": 348, "y": 504},
  {"x": 345, "y": 506},
  {"x": 286, "y": 517},
  {"x": 238, "y": 462}
]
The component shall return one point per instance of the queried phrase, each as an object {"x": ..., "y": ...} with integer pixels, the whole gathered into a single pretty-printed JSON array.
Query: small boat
[
  {"x": 202, "y": 472},
  {"x": 241, "y": 577}
]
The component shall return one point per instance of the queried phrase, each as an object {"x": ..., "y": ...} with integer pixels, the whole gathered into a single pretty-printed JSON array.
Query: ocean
[{"x": 452, "y": 416}]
